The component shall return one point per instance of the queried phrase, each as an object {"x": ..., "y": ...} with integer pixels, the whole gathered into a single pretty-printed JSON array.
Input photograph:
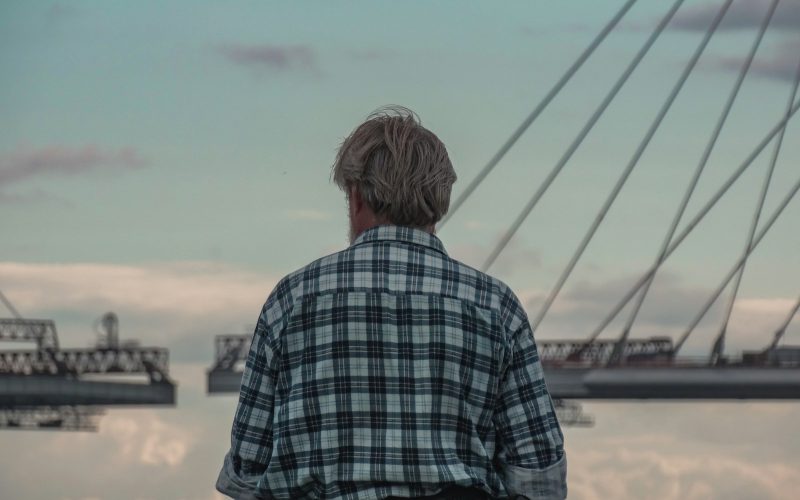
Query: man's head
[{"x": 394, "y": 171}]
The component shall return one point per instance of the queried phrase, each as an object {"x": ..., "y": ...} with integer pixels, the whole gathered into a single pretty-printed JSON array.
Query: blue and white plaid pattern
[{"x": 389, "y": 369}]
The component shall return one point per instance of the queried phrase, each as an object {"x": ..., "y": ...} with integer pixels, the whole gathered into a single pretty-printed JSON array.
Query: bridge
[
  {"x": 50, "y": 387},
  {"x": 576, "y": 371},
  {"x": 622, "y": 366}
]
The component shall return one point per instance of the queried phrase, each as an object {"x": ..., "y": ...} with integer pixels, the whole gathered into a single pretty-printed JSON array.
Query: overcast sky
[{"x": 171, "y": 161}]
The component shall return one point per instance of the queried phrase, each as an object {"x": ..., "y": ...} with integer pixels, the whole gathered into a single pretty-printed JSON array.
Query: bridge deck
[
  {"x": 36, "y": 390},
  {"x": 224, "y": 381},
  {"x": 675, "y": 382},
  {"x": 632, "y": 382}
]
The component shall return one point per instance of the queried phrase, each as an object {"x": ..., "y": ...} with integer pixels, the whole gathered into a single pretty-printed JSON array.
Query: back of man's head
[{"x": 400, "y": 168}]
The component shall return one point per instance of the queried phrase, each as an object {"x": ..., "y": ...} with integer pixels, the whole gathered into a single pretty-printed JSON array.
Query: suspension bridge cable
[
  {"x": 619, "y": 348},
  {"x": 719, "y": 343},
  {"x": 781, "y": 331},
  {"x": 665, "y": 107},
  {"x": 693, "y": 223},
  {"x": 581, "y": 135},
  {"x": 10, "y": 306},
  {"x": 536, "y": 112},
  {"x": 737, "y": 266}
]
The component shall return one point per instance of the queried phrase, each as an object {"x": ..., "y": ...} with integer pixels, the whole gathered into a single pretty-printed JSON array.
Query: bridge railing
[
  {"x": 41, "y": 331},
  {"x": 600, "y": 351},
  {"x": 230, "y": 349},
  {"x": 151, "y": 360}
]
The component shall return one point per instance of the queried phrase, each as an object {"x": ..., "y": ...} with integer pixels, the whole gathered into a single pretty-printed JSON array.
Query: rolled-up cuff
[
  {"x": 235, "y": 486},
  {"x": 548, "y": 483}
]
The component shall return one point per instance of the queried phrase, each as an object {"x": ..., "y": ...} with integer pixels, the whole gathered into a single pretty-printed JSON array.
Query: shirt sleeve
[
  {"x": 530, "y": 454},
  {"x": 251, "y": 434}
]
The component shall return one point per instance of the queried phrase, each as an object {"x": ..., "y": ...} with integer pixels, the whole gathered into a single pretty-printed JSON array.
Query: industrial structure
[
  {"x": 622, "y": 367},
  {"x": 50, "y": 387}
]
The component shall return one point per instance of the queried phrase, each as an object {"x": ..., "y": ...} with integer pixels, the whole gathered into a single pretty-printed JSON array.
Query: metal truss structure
[
  {"x": 600, "y": 351},
  {"x": 41, "y": 331},
  {"x": 151, "y": 360},
  {"x": 65, "y": 418},
  {"x": 570, "y": 413},
  {"x": 48, "y": 388},
  {"x": 228, "y": 350}
]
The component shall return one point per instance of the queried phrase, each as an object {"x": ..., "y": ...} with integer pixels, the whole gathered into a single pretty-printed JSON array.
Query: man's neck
[{"x": 357, "y": 231}]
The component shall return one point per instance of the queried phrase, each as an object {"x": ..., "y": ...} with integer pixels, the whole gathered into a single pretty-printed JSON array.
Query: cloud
[
  {"x": 188, "y": 288},
  {"x": 308, "y": 214},
  {"x": 781, "y": 64},
  {"x": 674, "y": 300},
  {"x": 370, "y": 54},
  {"x": 145, "y": 440},
  {"x": 649, "y": 471},
  {"x": 670, "y": 307},
  {"x": 672, "y": 303},
  {"x": 181, "y": 306},
  {"x": 515, "y": 256},
  {"x": 24, "y": 163},
  {"x": 34, "y": 196},
  {"x": 741, "y": 15},
  {"x": 684, "y": 450},
  {"x": 58, "y": 11},
  {"x": 580, "y": 307},
  {"x": 136, "y": 453},
  {"x": 271, "y": 57},
  {"x": 636, "y": 449}
]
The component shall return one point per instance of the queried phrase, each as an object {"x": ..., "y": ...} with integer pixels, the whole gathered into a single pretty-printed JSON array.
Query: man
[{"x": 390, "y": 370}]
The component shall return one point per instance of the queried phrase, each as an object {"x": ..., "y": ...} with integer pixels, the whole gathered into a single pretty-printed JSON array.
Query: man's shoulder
[
  {"x": 307, "y": 278},
  {"x": 508, "y": 304},
  {"x": 293, "y": 286},
  {"x": 343, "y": 262},
  {"x": 481, "y": 279},
  {"x": 467, "y": 283},
  {"x": 317, "y": 268}
]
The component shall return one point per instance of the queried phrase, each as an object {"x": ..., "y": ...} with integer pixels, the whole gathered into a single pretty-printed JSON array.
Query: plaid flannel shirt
[{"x": 390, "y": 369}]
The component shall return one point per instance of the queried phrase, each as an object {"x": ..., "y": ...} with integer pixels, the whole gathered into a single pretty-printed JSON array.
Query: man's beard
[
  {"x": 351, "y": 233},
  {"x": 351, "y": 230}
]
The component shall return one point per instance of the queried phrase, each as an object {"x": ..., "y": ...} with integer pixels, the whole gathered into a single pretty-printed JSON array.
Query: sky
[{"x": 170, "y": 162}]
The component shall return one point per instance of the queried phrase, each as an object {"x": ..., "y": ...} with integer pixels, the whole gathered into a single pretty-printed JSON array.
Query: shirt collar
[{"x": 400, "y": 233}]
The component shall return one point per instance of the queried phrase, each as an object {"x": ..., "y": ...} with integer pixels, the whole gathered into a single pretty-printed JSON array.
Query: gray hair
[{"x": 401, "y": 169}]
